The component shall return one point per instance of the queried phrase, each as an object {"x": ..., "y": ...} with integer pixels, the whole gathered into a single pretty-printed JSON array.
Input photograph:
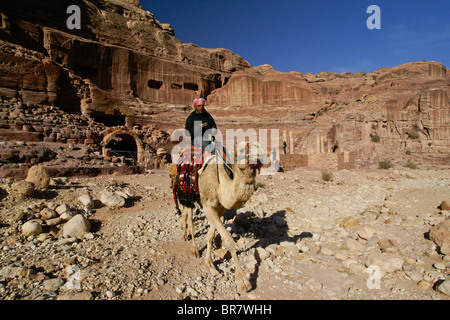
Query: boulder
[
  {"x": 63, "y": 208},
  {"x": 444, "y": 287},
  {"x": 47, "y": 214},
  {"x": 38, "y": 175},
  {"x": 31, "y": 228},
  {"x": 388, "y": 262},
  {"x": 111, "y": 199},
  {"x": 87, "y": 201},
  {"x": 53, "y": 284},
  {"x": 445, "y": 248},
  {"x": 386, "y": 245},
  {"x": 66, "y": 216},
  {"x": 11, "y": 272},
  {"x": 444, "y": 205},
  {"x": 53, "y": 222},
  {"x": 366, "y": 232},
  {"x": 351, "y": 245},
  {"x": 440, "y": 233},
  {"x": 78, "y": 226},
  {"x": 22, "y": 188},
  {"x": 348, "y": 222},
  {"x": 261, "y": 254}
]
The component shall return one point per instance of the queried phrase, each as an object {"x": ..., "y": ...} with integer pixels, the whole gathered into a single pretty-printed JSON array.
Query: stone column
[
  {"x": 129, "y": 121},
  {"x": 346, "y": 156},
  {"x": 291, "y": 142},
  {"x": 317, "y": 144}
]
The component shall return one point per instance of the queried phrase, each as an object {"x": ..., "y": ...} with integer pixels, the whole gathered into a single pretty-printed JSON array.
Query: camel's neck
[{"x": 234, "y": 193}]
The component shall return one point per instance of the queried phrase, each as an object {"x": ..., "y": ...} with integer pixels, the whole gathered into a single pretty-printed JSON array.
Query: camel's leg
[
  {"x": 190, "y": 222},
  {"x": 243, "y": 283},
  {"x": 208, "y": 260},
  {"x": 184, "y": 215}
]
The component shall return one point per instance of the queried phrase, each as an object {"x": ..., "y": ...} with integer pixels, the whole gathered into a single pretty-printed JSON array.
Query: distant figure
[{"x": 284, "y": 146}]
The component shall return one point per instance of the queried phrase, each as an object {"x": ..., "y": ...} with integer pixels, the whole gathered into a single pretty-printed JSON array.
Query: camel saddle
[{"x": 184, "y": 176}]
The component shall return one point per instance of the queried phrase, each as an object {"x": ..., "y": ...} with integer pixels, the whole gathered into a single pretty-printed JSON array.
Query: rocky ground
[{"x": 363, "y": 235}]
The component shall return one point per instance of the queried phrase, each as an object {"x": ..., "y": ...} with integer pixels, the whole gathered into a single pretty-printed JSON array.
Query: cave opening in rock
[
  {"x": 124, "y": 145},
  {"x": 155, "y": 84},
  {"x": 190, "y": 86},
  {"x": 86, "y": 71}
]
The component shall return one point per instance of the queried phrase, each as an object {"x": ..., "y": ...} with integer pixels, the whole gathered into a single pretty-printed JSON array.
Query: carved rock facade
[{"x": 124, "y": 68}]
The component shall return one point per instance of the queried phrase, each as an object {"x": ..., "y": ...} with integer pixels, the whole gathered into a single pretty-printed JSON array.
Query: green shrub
[
  {"x": 410, "y": 164},
  {"x": 327, "y": 175},
  {"x": 413, "y": 135},
  {"x": 408, "y": 152},
  {"x": 259, "y": 185},
  {"x": 384, "y": 165},
  {"x": 375, "y": 137}
]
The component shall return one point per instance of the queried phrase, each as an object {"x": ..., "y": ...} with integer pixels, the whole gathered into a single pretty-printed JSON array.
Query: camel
[{"x": 220, "y": 191}]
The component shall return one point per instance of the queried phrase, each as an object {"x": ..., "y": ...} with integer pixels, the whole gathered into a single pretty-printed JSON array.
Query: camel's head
[{"x": 249, "y": 155}]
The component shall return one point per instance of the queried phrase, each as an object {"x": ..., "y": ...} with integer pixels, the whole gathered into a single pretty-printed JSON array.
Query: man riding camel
[{"x": 203, "y": 117}]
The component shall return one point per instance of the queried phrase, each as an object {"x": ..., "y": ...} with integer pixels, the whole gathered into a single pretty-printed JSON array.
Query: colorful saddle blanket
[{"x": 184, "y": 175}]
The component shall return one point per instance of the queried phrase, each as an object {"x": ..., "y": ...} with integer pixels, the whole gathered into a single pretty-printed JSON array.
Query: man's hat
[{"x": 199, "y": 101}]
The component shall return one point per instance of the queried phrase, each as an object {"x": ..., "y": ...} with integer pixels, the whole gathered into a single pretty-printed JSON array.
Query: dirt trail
[{"x": 290, "y": 238}]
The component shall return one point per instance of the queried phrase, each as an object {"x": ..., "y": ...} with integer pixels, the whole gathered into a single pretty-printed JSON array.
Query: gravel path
[{"x": 298, "y": 237}]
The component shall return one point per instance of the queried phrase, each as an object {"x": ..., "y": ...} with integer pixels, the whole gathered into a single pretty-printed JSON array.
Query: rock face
[
  {"x": 121, "y": 49},
  {"x": 124, "y": 67},
  {"x": 405, "y": 107}
]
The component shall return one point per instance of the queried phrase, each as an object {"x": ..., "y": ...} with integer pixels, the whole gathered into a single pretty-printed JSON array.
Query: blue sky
[{"x": 313, "y": 36}]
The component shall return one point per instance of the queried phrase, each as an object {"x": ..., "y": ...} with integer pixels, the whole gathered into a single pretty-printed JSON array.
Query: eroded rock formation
[
  {"x": 120, "y": 49},
  {"x": 402, "y": 108},
  {"x": 125, "y": 68}
]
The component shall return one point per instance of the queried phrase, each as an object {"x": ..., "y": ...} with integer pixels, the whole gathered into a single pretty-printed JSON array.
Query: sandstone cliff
[
  {"x": 120, "y": 49},
  {"x": 124, "y": 67},
  {"x": 405, "y": 108}
]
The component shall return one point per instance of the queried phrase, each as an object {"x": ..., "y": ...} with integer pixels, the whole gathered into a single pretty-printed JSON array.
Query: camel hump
[{"x": 208, "y": 159}]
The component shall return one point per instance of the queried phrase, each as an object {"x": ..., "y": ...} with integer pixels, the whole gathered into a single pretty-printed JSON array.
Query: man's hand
[{"x": 204, "y": 124}]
